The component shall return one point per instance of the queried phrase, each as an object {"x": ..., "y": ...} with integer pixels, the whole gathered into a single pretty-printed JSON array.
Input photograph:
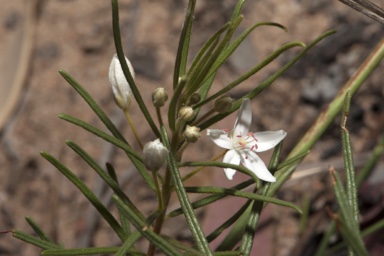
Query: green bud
[
  {"x": 192, "y": 133},
  {"x": 159, "y": 97},
  {"x": 195, "y": 98},
  {"x": 186, "y": 113},
  {"x": 223, "y": 104}
]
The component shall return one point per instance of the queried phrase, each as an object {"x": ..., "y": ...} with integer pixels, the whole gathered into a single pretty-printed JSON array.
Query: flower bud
[
  {"x": 159, "y": 97},
  {"x": 192, "y": 133},
  {"x": 223, "y": 104},
  {"x": 120, "y": 87},
  {"x": 195, "y": 98},
  {"x": 186, "y": 113},
  {"x": 155, "y": 155}
]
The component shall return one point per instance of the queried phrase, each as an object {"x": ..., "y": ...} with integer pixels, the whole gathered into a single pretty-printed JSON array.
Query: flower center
[{"x": 247, "y": 142}]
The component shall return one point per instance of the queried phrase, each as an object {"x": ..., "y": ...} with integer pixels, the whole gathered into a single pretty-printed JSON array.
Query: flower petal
[
  {"x": 220, "y": 138},
  {"x": 231, "y": 157},
  {"x": 267, "y": 140},
  {"x": 244, "y": 119},
  {"x": 254, "y": 163}
]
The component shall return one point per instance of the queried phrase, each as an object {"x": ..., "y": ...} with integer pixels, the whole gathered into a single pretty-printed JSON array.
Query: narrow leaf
[
  {"x": 105, "y": 213},
  {"x": 34, "y": 240},
  {"x": 183, "y": 48},
  {"x": 238, "y": 193},
  {"x": 190, "y": 216},
  {"x": 326, "y": 118},
  {"x": 107, "y": 179},
  {"x": 144, "y": 229},
  {"x": 87, "y": 251},
  {"x": 211, "y": 199},
  {"x": 38, "y": 230},
  {"x": 124, "y": 66},
  {"x": 104, "y": 118},
  {"x": 132, "y": 154},
  {"x": 351, "y": 189}
]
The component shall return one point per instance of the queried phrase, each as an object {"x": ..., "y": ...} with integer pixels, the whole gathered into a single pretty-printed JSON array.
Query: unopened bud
[
  {"x": 192, "y": 133},
  {"x": 159, "y": 97},
  {"x": 155, "y": 155},
  {"x": 186, "y": 113},
  {"x": 223, "y": 104},
  {"x": 195, "y": 98},
  {"x": 120, "y": 87}
]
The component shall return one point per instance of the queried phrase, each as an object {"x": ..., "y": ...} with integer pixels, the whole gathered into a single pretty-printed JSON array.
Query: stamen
[{"x": 250, "y": 134}]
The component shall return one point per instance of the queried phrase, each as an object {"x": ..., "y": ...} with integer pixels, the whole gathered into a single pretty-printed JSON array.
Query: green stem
[
  {"x": 134, "y": 131},
  {"x": 205, "y": 116},
  {"x": 189, "y": 214},
  {"x": 159, "y": 117},
  {"x": 192, "y": 173},
  {"x": 166, "y": 195}
]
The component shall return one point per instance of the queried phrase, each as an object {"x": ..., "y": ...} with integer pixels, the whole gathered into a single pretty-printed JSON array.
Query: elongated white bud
[
  {"x": 155, "y": 155},
  {"x": 120, "y": 87}
]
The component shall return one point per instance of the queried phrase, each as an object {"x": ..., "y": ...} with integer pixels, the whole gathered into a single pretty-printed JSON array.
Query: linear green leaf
[
  {"x": 124, "y": 221},
  {"x": 204, "y": 73},
  {"x": 236, "y": 105},
  {"x": 235, "y": 217},
  {"x": 227, "y": 52},
  {"x": 252, "y": 71},
  {"x": 239, "y": 168},
  {"x": 326, "y": 118},
  {"x": 134, "y": 156},
  {"x": 136, "y": 235},
  {"x": 189, "y": 214},
  {"x": 34, "y": 240},
  {"x": 88, "y": 194},
  {"x": 144, "y": 229},
  {"x": 38, "y": 230},
  {"x": 207, "y": 45},
  {"x": 368, "y": 167},
  {"x": 124, "y": 66},
  {"x": 173, "y": 105},
  {"x": 101, "y": 134},
  {"x": 107, "y": 122},
  {"x": 211, "y": 199},
  {"x": 238, "y": 193},
  {"x": 183, "y": 48},
  {"x": 351, "y": 189},
  {"x": 87, "y": 251},
  {"x": 257, "y": 207},
  {"x": 349, "y": 225},
  {"x": 107, "y": 179},
  {"x": 93, "y": 105}
]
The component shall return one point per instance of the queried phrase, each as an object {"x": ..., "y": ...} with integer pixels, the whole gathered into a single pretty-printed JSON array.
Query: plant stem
[
  {"x": 189, "y": 175},
  {"x": 133, "y": 129}
]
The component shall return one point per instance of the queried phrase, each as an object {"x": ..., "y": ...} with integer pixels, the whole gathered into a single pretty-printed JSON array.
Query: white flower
[
  {"x": 242, "y": 145},
  {"x": 155, "y": 155},
  {"x": 120, "y": 87}
]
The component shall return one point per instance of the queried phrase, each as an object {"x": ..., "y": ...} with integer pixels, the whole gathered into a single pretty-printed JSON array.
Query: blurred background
[{"x": 40, "y": 37}]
